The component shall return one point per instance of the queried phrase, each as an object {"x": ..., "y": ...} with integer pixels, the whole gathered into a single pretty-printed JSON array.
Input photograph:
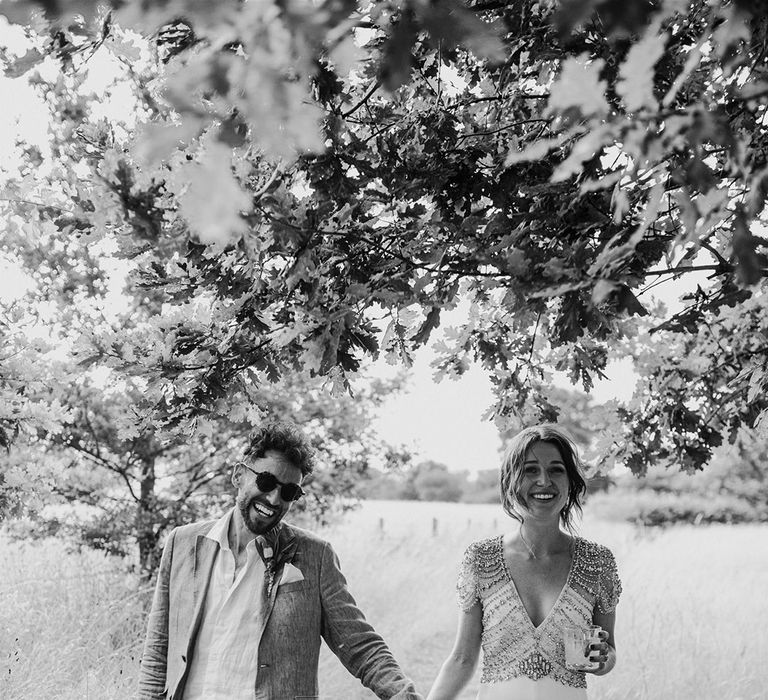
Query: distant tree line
[
  {"x": 733, "y": 490},
  {"x": 432, "y": 481}
]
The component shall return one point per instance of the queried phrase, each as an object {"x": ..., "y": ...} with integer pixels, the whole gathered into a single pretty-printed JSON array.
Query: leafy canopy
[{"x": 326, "y": 180}]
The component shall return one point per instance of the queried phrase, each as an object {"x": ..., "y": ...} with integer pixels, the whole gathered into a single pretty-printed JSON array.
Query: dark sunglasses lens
[
  {"x": 291, "y": 492},
  {"x": 266, "y": 482}
]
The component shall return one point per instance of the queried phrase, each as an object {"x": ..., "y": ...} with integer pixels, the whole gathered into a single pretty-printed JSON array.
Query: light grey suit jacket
[{"x": 295, "y": 617}]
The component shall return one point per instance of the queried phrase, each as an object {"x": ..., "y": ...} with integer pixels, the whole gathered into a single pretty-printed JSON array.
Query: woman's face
[{"x": 544, "y": 484}]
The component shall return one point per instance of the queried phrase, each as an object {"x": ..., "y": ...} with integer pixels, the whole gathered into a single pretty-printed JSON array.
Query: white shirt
[{"x": 224, "y": 661}]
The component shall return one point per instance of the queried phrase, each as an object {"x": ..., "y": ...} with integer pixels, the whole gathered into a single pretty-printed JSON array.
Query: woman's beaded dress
[{"x": 513, "y": 648}]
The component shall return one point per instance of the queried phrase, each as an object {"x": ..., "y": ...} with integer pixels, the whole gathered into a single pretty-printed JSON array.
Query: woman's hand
[{"x": 603, "y": 653}]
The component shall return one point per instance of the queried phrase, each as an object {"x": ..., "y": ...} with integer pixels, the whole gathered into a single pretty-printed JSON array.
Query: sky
[{"x": 443, "y": 421}]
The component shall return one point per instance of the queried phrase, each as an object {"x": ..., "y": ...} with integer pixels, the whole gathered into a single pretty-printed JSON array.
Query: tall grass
[
  {"x": 692, "y": 621},
  {"x": 70, "y": 624}
]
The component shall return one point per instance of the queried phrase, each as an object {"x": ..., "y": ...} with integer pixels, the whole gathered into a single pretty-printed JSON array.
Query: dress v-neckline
[{"x": 513, "y": 585}]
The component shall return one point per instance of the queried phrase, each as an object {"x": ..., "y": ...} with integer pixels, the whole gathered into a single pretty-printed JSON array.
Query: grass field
[{"x": 692, "y": 621}]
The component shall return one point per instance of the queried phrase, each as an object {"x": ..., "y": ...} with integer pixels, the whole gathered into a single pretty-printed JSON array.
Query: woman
[{"x": 518, "y": 591}]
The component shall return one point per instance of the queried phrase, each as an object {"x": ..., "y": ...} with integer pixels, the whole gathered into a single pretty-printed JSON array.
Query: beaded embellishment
[
  {"x": 512, "y": 646},
  {"x": 535, "y": 666}
]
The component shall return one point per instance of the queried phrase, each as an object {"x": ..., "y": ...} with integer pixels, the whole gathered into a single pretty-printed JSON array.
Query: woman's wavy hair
[
  {"x": 512, "y": 470},
  {"x": 285, "y": 438}
]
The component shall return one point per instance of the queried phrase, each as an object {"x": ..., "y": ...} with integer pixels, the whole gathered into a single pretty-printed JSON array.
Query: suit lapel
[
  {"x": 284, "y": 551},
  {"x": 205, "y": 555},
  {"x": 201, "y": 556}
]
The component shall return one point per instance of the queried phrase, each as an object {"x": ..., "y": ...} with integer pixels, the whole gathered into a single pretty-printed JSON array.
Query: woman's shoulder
[
  {"x": 593, "y": 551},
  {"x": 483, "y": 548},
  {"x": 595, "y": 571},
  {"x": 482, "y": 567},
  {"x": 591, "y": 547},
  {"x": 593, "y": 561}
]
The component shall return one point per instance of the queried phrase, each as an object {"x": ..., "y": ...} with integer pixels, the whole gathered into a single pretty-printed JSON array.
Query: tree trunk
[{"x": 146, "y": 533}]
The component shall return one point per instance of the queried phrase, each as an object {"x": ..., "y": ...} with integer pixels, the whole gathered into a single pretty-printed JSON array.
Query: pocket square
[{"x": 290, "y": 575}]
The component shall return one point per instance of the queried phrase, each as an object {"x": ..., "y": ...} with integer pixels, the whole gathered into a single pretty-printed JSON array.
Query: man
[{"x": 242, "y": 602}]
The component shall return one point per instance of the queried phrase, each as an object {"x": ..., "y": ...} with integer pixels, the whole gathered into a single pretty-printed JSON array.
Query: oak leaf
[
  {"x": 212, "y": 199},
  {"x": 579, "y": 87},
  {"x": 636, "y": 74}
]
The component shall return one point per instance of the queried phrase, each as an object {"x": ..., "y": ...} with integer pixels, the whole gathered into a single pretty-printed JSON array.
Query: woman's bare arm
[{"x": 458, "y": 668}]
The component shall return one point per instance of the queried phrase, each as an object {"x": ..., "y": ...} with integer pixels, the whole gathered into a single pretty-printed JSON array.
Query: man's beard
[{"x": 257, "y": 527}]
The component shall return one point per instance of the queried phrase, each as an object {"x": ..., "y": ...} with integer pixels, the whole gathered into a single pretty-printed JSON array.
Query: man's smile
[{"x": 263, "y": 510}]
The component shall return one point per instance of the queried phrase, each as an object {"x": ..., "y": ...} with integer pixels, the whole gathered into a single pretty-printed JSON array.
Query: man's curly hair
[{"x": 285, "y": 438}]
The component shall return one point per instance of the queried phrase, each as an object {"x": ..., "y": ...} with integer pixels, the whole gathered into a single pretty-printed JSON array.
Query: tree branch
[
  {"x": 692, "y": 268},
  {"x": 277, "y": 172},
  {"x": 363, "y": 101},
  {"x": 502, "y": 128},
  {"x": 106, "y": 464},
  {"x": 39, "y": 205}
]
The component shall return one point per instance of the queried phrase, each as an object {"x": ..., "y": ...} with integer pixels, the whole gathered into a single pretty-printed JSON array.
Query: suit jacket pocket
[{"x": 293, "y": 587}]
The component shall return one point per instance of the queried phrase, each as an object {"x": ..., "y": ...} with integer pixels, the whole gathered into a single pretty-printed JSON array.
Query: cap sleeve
[
  {"x": 466, "y": 585},
  {"x": 609, "y": 584}
]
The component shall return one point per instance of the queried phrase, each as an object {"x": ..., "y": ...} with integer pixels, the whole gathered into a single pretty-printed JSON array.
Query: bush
[
  {"x": 435, "y": 483},
  {"x": 385, "y": 487},
  {"x": 486, "y": 495},
  {"x": 651, "y": 508}
]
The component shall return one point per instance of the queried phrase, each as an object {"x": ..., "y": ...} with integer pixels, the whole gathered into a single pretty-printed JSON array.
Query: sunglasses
[{"x": 267, "y": 482}]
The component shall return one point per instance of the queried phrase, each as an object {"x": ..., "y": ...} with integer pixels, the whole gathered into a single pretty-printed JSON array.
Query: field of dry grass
[{"x": 691, "y": 622}]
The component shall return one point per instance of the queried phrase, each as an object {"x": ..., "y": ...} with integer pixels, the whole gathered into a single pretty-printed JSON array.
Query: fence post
[
  {"x": 381, "y": 524},
  {"x": 434, "y": 526}
]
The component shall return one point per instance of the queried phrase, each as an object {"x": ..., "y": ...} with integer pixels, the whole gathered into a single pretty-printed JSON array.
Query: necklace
[
  {"x": 527, "y": 546},
  {"x": 530, "y": 548}
]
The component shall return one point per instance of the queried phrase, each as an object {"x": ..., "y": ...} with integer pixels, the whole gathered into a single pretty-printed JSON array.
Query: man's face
[{"x": 262, "y": 511}]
